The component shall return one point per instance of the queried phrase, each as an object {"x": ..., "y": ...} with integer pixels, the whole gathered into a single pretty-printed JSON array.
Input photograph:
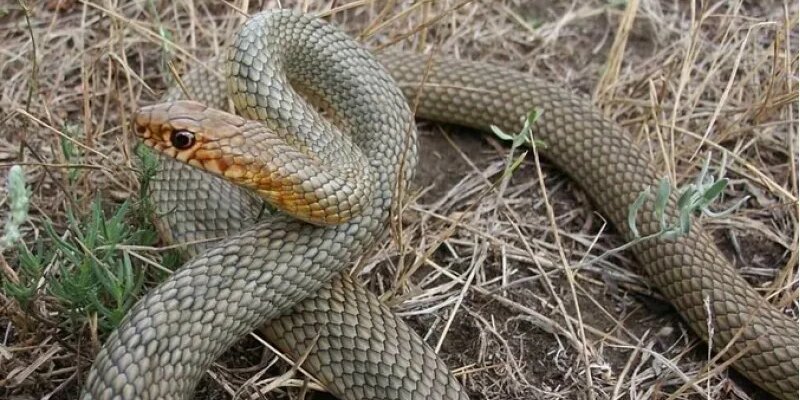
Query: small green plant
[
  {"x": 524, "y": 136},
  {"x": 87, "y": 270},
  {"x": 149, "y": 166},
  {"x": 695, "y": 198}
]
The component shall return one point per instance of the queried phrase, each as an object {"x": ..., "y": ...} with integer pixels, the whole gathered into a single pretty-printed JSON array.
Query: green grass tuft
[{"x": 86, "y": 271}]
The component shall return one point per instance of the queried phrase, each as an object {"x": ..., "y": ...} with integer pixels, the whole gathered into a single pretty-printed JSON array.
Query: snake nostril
[{"x": 182, "y": 139}]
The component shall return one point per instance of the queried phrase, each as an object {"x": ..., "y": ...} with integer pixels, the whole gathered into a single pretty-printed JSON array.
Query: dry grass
[{"x": 514, "y": 312}]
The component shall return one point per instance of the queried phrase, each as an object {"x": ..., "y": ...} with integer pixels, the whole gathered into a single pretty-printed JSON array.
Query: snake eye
[{"x": 182, "y": 139}]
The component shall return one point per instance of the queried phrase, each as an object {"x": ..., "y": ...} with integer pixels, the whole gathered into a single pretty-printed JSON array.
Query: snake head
[
  {"x": 191, "y": 133},
  {"x": 253, "y": 156}
]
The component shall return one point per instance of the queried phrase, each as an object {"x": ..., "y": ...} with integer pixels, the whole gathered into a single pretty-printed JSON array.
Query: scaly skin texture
[{"x": 288, "y": 272}]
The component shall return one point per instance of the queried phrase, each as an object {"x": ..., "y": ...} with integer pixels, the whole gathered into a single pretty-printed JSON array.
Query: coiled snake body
[{"x": 337, "y": 188}]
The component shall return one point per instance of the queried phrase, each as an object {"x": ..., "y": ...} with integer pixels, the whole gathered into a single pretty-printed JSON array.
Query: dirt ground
[{"x": 686, "y": 78}]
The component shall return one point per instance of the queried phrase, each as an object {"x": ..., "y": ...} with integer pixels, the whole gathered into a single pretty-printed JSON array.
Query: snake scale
[{"x": 337, "y": 180}]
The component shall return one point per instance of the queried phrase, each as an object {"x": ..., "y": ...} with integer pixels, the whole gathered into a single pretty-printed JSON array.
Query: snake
[{"x": 323, "y": 132}]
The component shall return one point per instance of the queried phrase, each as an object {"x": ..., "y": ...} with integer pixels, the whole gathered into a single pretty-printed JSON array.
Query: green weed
[
  {"x": 695, "y": 198},
  {"x": 85, "y": 272}
]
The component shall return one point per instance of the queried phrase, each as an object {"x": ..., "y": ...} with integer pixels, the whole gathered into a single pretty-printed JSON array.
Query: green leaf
[
  {"x": 633, "y": 211},
  {"x": 662, "y": 197},
  {"x": 715, "y": 190},
  {"x": 500, "y": 134},
  {"x": 685, "y": 220}
]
